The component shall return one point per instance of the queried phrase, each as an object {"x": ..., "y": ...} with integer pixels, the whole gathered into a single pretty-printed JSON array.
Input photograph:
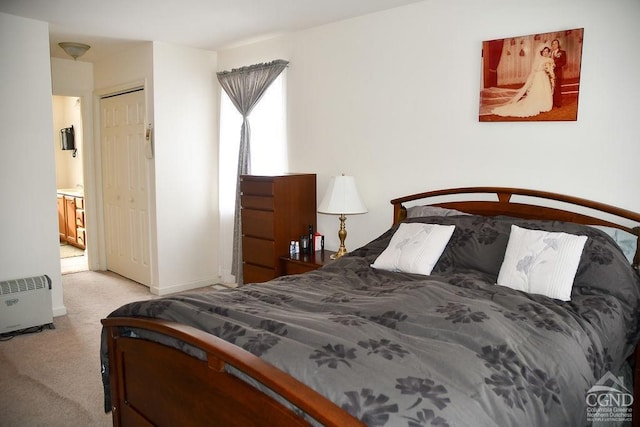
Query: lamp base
[
  {"x": 341, "y": 251},
  {"x": 342, "y": 235}
]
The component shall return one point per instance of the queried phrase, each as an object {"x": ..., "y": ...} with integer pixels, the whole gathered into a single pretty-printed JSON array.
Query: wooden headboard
[{"x": 528, "y": 209}]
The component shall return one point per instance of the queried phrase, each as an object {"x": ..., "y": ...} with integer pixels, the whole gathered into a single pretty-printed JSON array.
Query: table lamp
[{"x": 342, "y": 199}]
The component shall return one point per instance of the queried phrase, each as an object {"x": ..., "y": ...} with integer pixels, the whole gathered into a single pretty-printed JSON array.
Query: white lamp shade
[{"x": 342, "y": 197}]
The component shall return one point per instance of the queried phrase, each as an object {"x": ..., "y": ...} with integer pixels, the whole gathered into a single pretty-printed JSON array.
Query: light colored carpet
[{"x": 52, "y": 378}]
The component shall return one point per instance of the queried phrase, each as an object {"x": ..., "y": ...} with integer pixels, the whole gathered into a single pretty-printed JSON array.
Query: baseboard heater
[{"x": 25, "y": 303}]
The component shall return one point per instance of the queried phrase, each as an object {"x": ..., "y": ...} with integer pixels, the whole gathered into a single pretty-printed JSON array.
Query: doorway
[{"x": 69, "y": 158}]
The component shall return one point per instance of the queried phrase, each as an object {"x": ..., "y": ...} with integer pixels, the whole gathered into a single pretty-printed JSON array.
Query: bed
[{"x": 479, "y": 337}]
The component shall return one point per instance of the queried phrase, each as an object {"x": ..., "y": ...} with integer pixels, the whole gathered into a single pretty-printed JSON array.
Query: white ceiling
[{"x": 205, "y": 24}]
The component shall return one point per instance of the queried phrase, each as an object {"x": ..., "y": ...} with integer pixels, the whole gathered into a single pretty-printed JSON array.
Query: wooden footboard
[{"x": 154, "y": 384}]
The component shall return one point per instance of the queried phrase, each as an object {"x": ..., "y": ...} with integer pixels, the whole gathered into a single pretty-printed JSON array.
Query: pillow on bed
[
  {"x": 426, "y": 210},
  {"x": 414, "y": 248},
  {"x": 479, "y": 243},
  {"x": 628, "y": 242},
  {"x": 541, "y": 262}
]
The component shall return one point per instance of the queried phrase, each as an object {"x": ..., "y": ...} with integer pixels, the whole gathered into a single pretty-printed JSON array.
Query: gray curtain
[{"x": 245, "y": 86}]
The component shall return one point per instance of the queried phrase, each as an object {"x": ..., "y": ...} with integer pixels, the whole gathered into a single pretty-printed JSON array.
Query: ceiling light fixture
[{"x": 74, "y": 50}]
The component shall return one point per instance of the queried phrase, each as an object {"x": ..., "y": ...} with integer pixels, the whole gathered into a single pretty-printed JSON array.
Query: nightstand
[{"x": 303, "y": 263}]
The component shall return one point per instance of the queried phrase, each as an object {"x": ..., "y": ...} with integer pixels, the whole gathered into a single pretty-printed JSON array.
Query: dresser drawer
[
  {"x": 259, "y": 251},
  {"x": 258, "y": 223},
  {"x": 256, "y": 187},
  {"x": 257, "y": 202},
  {"x": 256, "y": 274},
  {"x": 291, "y": 268},
  {"x": 79, "y": 217},
  {"x": 80, "y": 237}
]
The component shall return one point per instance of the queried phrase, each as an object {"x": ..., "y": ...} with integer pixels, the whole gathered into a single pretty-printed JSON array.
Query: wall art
[{"x": 531, "y": 78}]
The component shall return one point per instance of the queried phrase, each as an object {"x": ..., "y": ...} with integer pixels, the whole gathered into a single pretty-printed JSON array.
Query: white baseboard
[
  {"x": 227, "y": 278},
  {"x": 181, "y": 287},
  {"x": 59, "y": 311}
]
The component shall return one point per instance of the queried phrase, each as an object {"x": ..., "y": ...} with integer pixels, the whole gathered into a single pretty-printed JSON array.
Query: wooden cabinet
[
  {"x": 71, "y": 219},
  {"x": 275, "y": 210},
  {"x": 303, "y": 263},
  {"x": 80, "y": 231},
  {"x": 62, "y": 219}
]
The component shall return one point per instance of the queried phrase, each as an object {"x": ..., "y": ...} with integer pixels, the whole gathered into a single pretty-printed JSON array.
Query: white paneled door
[{"x": 125, "y": 186}]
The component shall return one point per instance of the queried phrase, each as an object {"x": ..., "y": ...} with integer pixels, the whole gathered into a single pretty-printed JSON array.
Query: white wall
[
  {"x": 28, "y": 219},
  {"x": 392, "y": 98},
  {"x": 186, "y": 160},
  {"x": 182, "y": 109}
]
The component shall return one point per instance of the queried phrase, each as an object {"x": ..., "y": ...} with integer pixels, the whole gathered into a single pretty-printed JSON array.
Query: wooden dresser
[{"x": 275, "y": 210}]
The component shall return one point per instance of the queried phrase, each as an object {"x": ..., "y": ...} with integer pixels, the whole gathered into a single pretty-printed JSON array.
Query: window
[{"x": 268, "y": 155}]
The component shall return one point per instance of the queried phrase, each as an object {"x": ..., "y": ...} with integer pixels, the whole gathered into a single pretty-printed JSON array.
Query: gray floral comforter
[{"x": 450, "y": 349}]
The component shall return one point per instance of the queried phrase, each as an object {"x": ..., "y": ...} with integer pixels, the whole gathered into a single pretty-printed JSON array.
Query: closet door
[{"x": 125, "y": 186}]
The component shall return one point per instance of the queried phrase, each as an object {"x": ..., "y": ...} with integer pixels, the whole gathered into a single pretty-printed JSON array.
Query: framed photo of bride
[{"x": 531, "y": 78}]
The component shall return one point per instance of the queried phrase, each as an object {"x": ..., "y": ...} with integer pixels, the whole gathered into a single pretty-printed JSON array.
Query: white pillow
[
  {"x": 415, "y": 248},
  {"x": 541, "y": 262}
]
